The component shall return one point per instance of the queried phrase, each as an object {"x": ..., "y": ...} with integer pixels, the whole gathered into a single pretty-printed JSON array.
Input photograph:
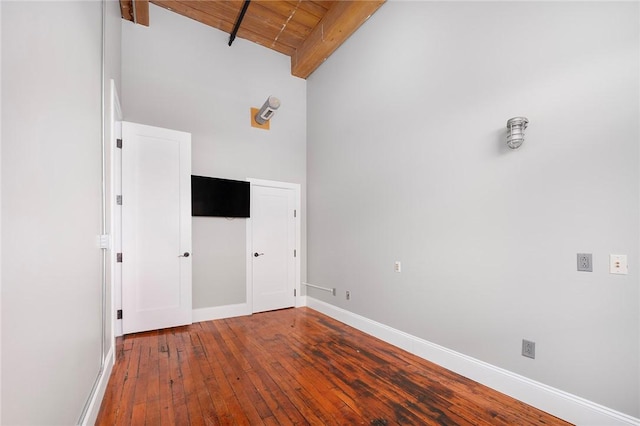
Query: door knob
[
  {"x": 185, "y": 254},
  {"x": 256, "y": 254}
]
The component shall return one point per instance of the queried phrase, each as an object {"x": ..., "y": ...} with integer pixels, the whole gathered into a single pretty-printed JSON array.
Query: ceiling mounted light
[{"x": 516, "y": 127}]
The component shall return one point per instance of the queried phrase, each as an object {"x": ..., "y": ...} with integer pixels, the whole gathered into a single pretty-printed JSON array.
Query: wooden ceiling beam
[
  {"x": 212, "y": 14},
  {"x": 342, "y": 20},
  {"x": 135, "y": 11},
  {"x": 219, "y": 15},
  {"x": 318, "y": 9},
  {"x": 141, "y": 9},
  {"x": 298, "y": 28},
  {"x": 126, "y": 9}
]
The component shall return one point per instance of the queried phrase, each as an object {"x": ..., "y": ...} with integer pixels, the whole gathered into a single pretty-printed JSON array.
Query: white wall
[
  {"x": 407, "y": 161},
  {"x": 181, "y": 74},
  {"x": 51, "y": 262}
]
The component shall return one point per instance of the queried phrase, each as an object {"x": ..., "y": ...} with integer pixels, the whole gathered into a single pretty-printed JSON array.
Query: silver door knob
[
  {"x": 256, "y": 254},
  {"x": 185, "y": 254}
]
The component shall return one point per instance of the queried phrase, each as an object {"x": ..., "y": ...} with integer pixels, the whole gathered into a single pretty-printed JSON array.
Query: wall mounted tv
[{"x": 219, "y": 197}]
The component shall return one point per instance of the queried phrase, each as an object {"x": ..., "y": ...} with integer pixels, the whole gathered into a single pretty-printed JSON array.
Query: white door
[
  {"x": 156, "y": 228},
  {"x": 273, "y": 242}
]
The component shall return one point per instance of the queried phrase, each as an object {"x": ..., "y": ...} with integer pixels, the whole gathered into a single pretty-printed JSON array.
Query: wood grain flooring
[{"x": 291, "y": 367}]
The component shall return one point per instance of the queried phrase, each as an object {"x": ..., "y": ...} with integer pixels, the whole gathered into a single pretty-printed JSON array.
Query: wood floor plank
[
  {"x": 244, "y": 388},
  {"x": 281, "y": 408},
  {"x": 138, "y": 414},
  {"x": 346, "y": 374},
  {"x": 394, "y": 388},
  {"x": 113, "y": 393},
  {"x": 326, "y": 388},
  {"x": 152, "y": 412},
  {"x": 222, "y": 388},
  {"x": 196, "y": 358},
  {"x": 167, "y": 411},
  {"x": 125, "y": 411},
  {"x": 178, "y": 396},
  {"x": 291, "y": 367}
]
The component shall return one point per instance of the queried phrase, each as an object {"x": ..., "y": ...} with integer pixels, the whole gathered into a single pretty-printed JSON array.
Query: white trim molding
[
  {"x": 221, "y": 312},
  {"x": 96, "y": 400},
  {"x": 561, "y": 404},
  {"x": 232, "y": 311},
  {"x": 115, "y": 185}
]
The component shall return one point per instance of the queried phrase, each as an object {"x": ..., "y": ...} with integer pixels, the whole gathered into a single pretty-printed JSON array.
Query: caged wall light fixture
[
  {"x": 268, "y": 109},
  {"x": 260, "y": 117},
  {"x": 515, "y": 134}
]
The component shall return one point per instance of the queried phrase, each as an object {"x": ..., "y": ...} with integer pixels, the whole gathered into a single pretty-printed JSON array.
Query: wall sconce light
[
  {"x": 260, "y": 117},
  {"x": 515, "y": 135}
]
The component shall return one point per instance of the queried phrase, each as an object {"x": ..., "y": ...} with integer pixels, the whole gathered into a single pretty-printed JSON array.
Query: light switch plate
[
  {"x": 618, "y": 264},
  {"x": 104, "y": 241}
]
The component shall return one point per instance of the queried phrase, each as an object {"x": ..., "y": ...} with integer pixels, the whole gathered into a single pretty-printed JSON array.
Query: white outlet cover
[
  {"x": 397, "y": 266},
  {"x": 618, "y": 264}
]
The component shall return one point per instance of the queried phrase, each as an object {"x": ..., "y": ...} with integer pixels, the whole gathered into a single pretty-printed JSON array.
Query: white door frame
[
  {"x": 116, "y": 215},
  {"x": 249, "y": 246}
]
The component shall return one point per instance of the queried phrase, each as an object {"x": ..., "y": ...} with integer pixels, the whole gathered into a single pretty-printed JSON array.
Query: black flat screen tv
[{"x": 219, "y": 197}]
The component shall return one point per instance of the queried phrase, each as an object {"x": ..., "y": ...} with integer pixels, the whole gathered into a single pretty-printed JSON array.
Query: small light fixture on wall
[
  {"x": 515, "y": 134},
  {"x": 260, "y": 117}
]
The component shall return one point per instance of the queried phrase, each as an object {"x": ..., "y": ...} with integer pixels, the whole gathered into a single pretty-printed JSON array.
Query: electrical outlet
[
  {"x": 397, "y": 266},
  {"x": 585, "y": 263},
  {"x": 348, "y": 295},
  {"x": 528, "y": 348},
  {"x": 618, "y": 264}
]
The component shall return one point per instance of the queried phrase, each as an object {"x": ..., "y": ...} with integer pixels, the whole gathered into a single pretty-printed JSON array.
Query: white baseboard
[
  {"x": 301, "y": 301},
  {"x": 96, "y": 400},
  {"x": 231, "y": 311},
  {"x": 117, "y": 329},
  {"x": 220, "y": 312},
  {"x": 561, "y": 404}
]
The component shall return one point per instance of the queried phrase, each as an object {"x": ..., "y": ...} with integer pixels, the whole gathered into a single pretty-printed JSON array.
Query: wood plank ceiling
[{"x": 308, "y": 31}]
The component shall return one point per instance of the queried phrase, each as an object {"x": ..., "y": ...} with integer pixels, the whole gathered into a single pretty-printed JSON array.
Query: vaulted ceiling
[{"x": 308, "y": 31}]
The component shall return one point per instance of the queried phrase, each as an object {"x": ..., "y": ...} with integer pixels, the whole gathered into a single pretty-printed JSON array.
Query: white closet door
[{"x": 156, "y": 228}]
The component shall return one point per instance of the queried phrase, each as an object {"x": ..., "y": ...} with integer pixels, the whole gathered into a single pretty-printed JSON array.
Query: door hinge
[
  {"x": 295, "y": 213},
  {"x": 119, "y": 143},
  {"x": 119, "y": 257},
  {"x": 119, "y": 200},
  {"x": 294, "y": 292},
  {"x": 119, "y": 314},
  {"x": 294, "y": 253}
]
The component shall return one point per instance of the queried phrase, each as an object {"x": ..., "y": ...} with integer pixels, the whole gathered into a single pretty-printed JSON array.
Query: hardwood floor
[{"x": 294, "y": 366}]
